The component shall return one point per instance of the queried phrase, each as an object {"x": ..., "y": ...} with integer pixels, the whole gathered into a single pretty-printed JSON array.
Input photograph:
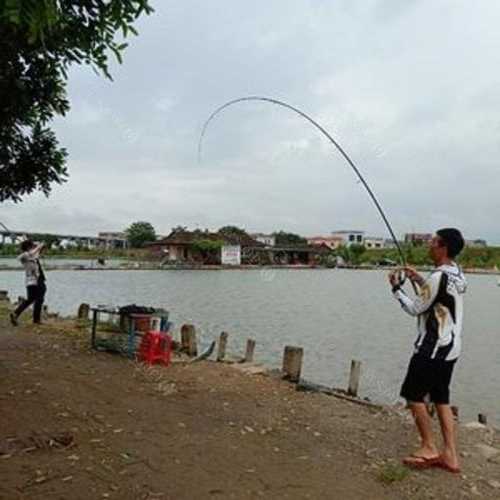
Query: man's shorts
[{"x": 428, "y": 377}]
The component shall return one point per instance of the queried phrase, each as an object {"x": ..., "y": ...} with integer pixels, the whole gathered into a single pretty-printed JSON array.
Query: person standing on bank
[
  {"x": 35, "y": 281},
  {"x": 438, "y": 307}
]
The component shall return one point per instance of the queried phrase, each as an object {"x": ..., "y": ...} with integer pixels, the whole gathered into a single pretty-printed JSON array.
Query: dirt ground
[{"x": 77, "y": 424}]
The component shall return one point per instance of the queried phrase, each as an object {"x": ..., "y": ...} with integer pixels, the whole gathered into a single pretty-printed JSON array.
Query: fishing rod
[{"x": 329, "y": 137}]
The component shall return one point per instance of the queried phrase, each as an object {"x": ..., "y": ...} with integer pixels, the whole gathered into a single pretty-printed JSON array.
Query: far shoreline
[{"x": 243, "y": 267}]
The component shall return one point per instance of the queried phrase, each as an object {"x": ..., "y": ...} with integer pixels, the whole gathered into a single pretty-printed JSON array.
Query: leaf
[
  {"x": 117, "y": 54},
  {"x": 44, "y": 38}
]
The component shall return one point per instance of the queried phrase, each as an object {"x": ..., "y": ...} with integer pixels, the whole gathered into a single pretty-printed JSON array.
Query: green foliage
[
  {"x": 9, "y": 249},
  {"x": 83, "y": 323},
  {"x": 417, "y": 256},
  {"x": 4, "y": 309},
  {"x": 284, "y": 239},
  {"x": 39, "y": 42},
  {"x": 480, "y": 257},
  {"x": 352, "y": 254},
  {"x": 209, "y": 250},
  {"x": 139, "y": 233},
  {"x": 392, "y": 473},
  {"x": 232, "y": 231},
  {"x": 207, "y": 245},
  {"x": 356, "y": 253}
]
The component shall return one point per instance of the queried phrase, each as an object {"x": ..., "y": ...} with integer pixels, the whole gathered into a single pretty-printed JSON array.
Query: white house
[
  {"x": 479, "y": 243},
  {"x": 268, "y": 239},
  {"x": 68, "y": 243},
  {"x": 113, "y": 239},
  {"x": 350, "y": 237},
  {"x": 371, "y": 242}
]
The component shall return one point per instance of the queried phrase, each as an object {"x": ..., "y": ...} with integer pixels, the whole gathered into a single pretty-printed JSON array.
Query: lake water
[{"x": 336, "y": 315}]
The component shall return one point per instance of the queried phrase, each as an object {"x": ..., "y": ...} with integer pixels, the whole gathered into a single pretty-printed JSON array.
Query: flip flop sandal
[
  {"x": 417, "y": 462},
  {"x": 446, "y": 467}
]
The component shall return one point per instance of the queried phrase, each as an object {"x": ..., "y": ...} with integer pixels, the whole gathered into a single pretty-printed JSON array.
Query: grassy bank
[{"x": 481, "y": 258}]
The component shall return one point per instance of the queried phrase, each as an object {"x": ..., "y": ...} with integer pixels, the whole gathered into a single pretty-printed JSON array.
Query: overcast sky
[{"x": 411, "y": 89}]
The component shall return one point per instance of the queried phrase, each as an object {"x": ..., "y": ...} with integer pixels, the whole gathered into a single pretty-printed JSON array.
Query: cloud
[{"x": 410, "y": 89}]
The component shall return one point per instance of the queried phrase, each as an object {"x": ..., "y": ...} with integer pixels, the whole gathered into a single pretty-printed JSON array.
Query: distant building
[
  {"x": 268, "y": 239},
  {"x": 182, "y": 245},
  {"x": 231, "y": 255},
  {"x": 372, "y": 242},
  {"x": 476, "y": 243},
  {"x": 351, "y": 237},
  {"x": 418, "y": 239},
  {"x": 110, "y": 239},
  {"x": 389, "y": 243},
  {"x": 205, "y": 247},
  {"x": 67, "y": 243},
  {"x": 332, "y": 242}
]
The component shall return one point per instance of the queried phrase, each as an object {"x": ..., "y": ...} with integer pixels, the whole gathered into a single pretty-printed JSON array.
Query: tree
[
  {"x": 284, "y": 239},
  {"x": 232, "y": 231},
  {"x": 140, "y": 233},
  {"x": 356, "y": 252},
  {"x": 39, "y": 41},
  {"x": 351, "y": 254},
  {"x": 209, "y": 250},
  {"x": 234, "y": 235}
]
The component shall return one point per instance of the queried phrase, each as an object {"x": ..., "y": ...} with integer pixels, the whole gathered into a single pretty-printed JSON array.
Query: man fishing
[
  {"x": 438, "y": 307},
  {"x": 35, "y": 281}
]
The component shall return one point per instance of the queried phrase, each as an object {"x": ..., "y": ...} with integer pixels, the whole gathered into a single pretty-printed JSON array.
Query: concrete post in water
[
  {"x": 250, "y": 350},
  {"x": 354, "y": 377},
  {"x": 482, "y": 419},
  {"x": 188, "y": 340},
  {"x": 221, "y": 348},
  {"x": 4, "y": 295},
  {"x": 292, "y": 363},
  {"x": 184, "y": 337},
  {"x": 83, "y": 311}
]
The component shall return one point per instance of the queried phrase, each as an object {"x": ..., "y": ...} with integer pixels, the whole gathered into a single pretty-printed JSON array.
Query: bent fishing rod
[{"x": 328, "y": 136}]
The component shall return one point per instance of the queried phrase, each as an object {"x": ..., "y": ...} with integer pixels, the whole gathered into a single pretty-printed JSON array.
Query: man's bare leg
[
  {"x": 449, "y": 455},
  {"x": 428, "y": 448}
]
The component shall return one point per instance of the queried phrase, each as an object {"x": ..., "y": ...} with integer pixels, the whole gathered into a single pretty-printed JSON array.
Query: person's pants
[{"x": 36, "y": 294}]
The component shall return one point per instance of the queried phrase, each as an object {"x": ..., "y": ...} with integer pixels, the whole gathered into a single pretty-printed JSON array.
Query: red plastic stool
[{"x": 156, "y": 347}]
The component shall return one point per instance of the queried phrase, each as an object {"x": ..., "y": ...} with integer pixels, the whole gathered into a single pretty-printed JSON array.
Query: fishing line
[{"x": 328, "y": 136}]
